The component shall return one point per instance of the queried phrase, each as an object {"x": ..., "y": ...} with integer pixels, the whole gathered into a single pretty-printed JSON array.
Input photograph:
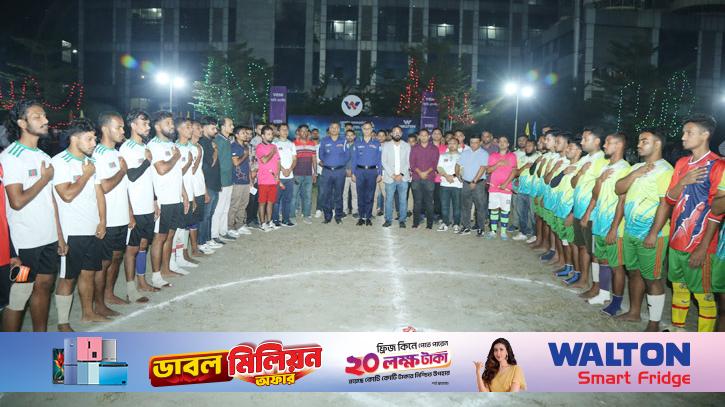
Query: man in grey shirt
[{"x": 396, "y": 175}]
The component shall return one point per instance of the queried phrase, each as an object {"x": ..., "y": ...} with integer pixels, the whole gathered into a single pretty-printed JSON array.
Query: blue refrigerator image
[
  {"x": 113, "y": 373},
  {"x": 70, "y": 364}
]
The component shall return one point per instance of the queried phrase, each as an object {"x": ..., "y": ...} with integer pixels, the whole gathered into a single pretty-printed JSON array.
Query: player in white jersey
[
  {"x": 168, "y": 185},
  {"x": 82, "y": 213},
  {"x": 111, "y": 169},
  {"x": 143, "y": 205},
  {"x": 31, "y": 214},
  {"x": 201, "y": 198},
  {"x": 179, "y": 253}
]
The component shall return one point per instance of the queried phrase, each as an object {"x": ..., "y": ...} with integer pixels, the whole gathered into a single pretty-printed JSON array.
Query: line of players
[{"x": 595, "y": 211}]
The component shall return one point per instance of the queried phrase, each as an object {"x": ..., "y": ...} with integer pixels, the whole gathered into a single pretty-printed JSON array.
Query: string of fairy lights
[
  {"x": 665, "y": 106},
  {"x": 30, "y": 88},
  {"x": 229, "y": 83}
]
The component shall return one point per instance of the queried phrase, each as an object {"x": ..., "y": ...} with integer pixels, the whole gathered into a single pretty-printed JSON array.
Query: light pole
[
  {"x": 526, "y": 91},
  {"x": 175, "y": 81}
]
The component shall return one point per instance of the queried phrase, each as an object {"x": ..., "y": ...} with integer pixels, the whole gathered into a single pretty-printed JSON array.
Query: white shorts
[{"x": 498, "y": 200}]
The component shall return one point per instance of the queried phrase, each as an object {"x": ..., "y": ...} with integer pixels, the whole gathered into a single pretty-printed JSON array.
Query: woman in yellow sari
[{"x": 500, "y": 373}]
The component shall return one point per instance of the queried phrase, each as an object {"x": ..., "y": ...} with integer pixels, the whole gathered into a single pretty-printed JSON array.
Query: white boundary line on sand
[
  {"x": 396, "y": 270},
  {"x": 402, "y": 318}
]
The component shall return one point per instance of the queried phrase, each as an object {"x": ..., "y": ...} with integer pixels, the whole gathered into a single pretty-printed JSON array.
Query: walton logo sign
[{"x": 352, "y": 105}]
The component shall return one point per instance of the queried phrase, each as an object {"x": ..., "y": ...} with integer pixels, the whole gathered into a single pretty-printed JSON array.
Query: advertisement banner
[
  {"x": 379, "y": 123},
  {"x": 278, "y": 104},
  {"x": 362, "y": 362},
  {"x": 429, "y": 111}
]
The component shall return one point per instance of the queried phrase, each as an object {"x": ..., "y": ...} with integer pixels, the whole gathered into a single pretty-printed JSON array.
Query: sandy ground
[{"x": 392, "y": 277}]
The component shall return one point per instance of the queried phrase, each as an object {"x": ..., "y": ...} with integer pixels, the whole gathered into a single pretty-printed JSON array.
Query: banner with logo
[
  {"x": 361, "y": 362},
  {"x": 278, "y": 104},
  {"x": 323, "y": 122},
  {"x": 428, "y": 111},
  {"x": 351, "y": 105}
]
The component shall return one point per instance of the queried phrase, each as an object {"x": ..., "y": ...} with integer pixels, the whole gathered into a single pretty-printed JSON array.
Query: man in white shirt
[
  {"x": 173, "y": 201},
  {"x": 82, "y": 213},
  {"x": 179, "y": 252},
  {"x": 144, "y": 209},
  {"x": 396, "y": 176},
  {"x": 111, "y": 172},
  {"x": 32, "y": 219},
  {"x": 285, "y": 191},
  {"x": 199, "y": 186},
  {"x": 450, "y": 188}
]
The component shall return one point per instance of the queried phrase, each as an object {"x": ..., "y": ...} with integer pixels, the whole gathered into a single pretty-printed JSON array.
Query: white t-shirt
[
  {"x": 107, "y": 165},
  {"x": 287, "y": 153},
  {"x": 448, "y": 162},
  {"x": 188, "y": 178},
  {"x": 167, "y": 186},
  {"x": 396, "y": 153},
  {"x": 33, "y": 225},
  {"x": 78, "y": 217},
  {"x": 140, "y": 191},
  {"x": 198, "y": 182}
]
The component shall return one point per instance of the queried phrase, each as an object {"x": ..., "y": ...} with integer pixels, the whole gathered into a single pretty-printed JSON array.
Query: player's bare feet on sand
[
  {"x": 198, "y": 254},
  {"x": 628, "y": 317},
  {"x": 144, "y": 286},
  {"x": 590, "y": 293},
  {"x": 170, "y": 274},
  {"x": 65, "y": 328},
  {"x": 94, "y": 318},
  {"x": 105, "y": 311},
  {"x": 579, "y": 285},
  {"x": 112, "y": 299},
  {"x": 653, "y": 326}
]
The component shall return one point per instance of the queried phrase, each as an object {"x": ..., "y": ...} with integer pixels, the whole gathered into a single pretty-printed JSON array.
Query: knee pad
[{"x": 19, "y": 295}]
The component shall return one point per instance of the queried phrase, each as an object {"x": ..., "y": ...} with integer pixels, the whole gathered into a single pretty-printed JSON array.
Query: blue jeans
[
  {"x": 303, "y": 194},
  {"x": 451, "y": 196},
  {"x": 402, "y": 189},
  {"x": 526, "y": 216},
  {"x": 205, "y": 227},
  {"x": 284, "y": 200}
]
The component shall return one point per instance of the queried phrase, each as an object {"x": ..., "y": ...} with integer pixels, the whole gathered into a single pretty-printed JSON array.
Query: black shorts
[
  {"x": 171, "y": 218},
  {"x": 199, "y": 214},
  {"x": 5, "y": 285},
  {"x": 41, "y": 260},
  {"x": 583, "y": 236},
  {"x": 84, "y": 253},
  {"x": 144, "y": 229},
  {"x": 188, "y": 217},
  {"x": 114, "y": 241}
]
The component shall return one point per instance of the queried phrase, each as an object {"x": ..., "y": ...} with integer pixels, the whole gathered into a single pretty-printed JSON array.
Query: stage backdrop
[{"x": 322, "y": 122}]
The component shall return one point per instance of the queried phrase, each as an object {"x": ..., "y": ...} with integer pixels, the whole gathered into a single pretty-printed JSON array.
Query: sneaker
[
  {"x": 387, "y": 224},
  {"x": 355, "y": 215},
  {"x": 274, "y": 225},
  {"x": 520, "y": 236},
  {"x": 442, "y": 228},
  {"x": 243, "y": 231},
  {"x": 214, "y": 245},
  {"x": 233, "y": 233},
  {"x": 489, "y": 235},
  {"x": 402, "y": 225},
  {"x": 318, "y": 213},
  {"x": 456, "y": 228},
  {"x": 530, "y": 240},
  {"x": 289, "y": 224},
  {"x": 264, "y": 227},
  {"x": 277, "y": 223},
  {"x": 228, "y": 237},
  {"x": 504, "y": 236},
  {"x": 181, "y": 261},
  {"x": 219, "y": 241},
  {"x": 601, "y": 298},
  {"x": 206, "y": 249},
  {"x": 339, "y": 220},
  {"x": 465, "y": 231},
  {"x": 307, "y": 220},
  {"x": 547, "y": 256}
]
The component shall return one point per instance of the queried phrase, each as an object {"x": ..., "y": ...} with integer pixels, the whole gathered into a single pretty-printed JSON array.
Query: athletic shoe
[
  {"x": 219, "y": 241},
  {"x": 176, "y": 268},
  {"x": 288, "y": 224},
  {"x": 547, "y": 256},
  {"x": 227, "y": 238},
  {"x": 610, "y": 311},
  {"x": 456, "y": 228},
  {"x": 355, "y": 215},
  {"x": 489, "y": 235},
  {"x": 206, "y": 249},
  {"x": 318, "y": 213},
  {"x": 530, "y": 240},
  {"x": 307, "y": 220},
  {"x": 415, "y": 226},
  {"x": 574, "y": 278},
  {"x": 563, "y": 272},
  {"x": 264, "y": 227},
  {"x": 339, "y": 220},
  {"x": 600, "y": 298},
  {"x": 380, "y": 213},
  {"x": 360, "y": 222},
  {"x": 520, "y": 236},
  {"x": 442, "y": 228},
  {"x": 214, "y": 245},
  {"x": 243, "y": 231},
  {"x": 275, "y": 225},
  {"x": 368, "y": 222},
  {"x": 465, "y": 231},
  {"x": 387, "y": 224},
  {"x": 159, "y": 282},
  {"x": 233, "y": 233},
  {"x": 504, "y": 236},
  {"x": 402, "y": 225}
]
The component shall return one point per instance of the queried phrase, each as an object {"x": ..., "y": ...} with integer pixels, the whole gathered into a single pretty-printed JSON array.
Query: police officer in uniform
[
  {"x": 333, "y": 158},
  {"x": 367, "y": 170}
]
